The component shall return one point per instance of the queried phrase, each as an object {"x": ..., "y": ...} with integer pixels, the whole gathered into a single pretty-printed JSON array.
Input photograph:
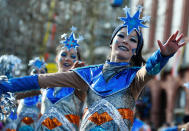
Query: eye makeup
[
  {"x": 35, "y": 71},
  {"x": 63, "y": 54},
  {"x": 133, "y": 40},
  {"x": 73, "y": 56},
  {"x": 120, "y": 35},
  {"x": 134, "y": 51},
  {"x": 42, "y": 72}
]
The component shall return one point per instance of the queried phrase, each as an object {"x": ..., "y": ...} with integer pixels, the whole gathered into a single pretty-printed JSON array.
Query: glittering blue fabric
[
  {"x": 137, "y": 124},
  {"x": 93, "y": 76},
  {"x": 97, "y": 128},
  {"x": 61, "y": 94},
  {"x": 175, "y": 128},
  {"x": 13, "y": 116},
  {"x": 26, "y": 128},
  {"x": 20, "y": 84},
  {"x": 156, "y": 62},
  {"x": 30, "y": 101}
]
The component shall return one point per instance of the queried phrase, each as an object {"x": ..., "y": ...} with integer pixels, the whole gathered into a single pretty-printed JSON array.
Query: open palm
[{"x": 172, "y": 44}]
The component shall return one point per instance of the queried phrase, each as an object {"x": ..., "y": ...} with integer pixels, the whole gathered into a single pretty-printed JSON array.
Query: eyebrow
[
  {"x": 123, "y": 32},
  {"x": 130, "y": 35},
  {"x": 134, "y": 36}
]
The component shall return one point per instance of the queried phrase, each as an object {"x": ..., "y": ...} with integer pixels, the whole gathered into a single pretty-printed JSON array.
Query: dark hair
[
  {"x": 136, "y": 60},
  {"x": 60, "y": 47}
]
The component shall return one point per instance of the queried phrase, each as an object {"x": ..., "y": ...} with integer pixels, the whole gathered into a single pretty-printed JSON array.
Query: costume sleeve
[
  {"x": 23, "y": 95},
  {"x": 65, "y": 79},
  {"x": 153, "y": 66},
  {"x": 30, "y": 83},
  {"x": 156, "y": 62},
  {"x": 27, "y": 83}
]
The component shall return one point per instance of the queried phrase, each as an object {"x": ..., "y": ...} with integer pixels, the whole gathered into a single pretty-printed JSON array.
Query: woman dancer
[
  {"x": 62, "y": 107},
  {"x": 112, "y": 88}
]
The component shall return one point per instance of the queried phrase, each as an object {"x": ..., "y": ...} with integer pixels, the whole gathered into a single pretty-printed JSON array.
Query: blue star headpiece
[
  {"x": 134, "y": 22},
  {"x": 71, "y": 41},
  {"x": 37, "y": 63}
]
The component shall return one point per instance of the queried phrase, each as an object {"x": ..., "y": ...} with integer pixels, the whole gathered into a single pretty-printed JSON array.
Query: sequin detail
[
  {"x": 97, "y": 128},
  {"x": 104, "y": 117},
  {"x": 27, "y": 120},
  {"x": 10, "y": 129},
  {"x": 51, "y": 123},
  {"x": 54, "y": 112},
  {"x": 111, "y": 111},
  {"x": 30, "y": 113},
  {"x": 73, "y": 119},
  {"x": 155, "y": 70}
]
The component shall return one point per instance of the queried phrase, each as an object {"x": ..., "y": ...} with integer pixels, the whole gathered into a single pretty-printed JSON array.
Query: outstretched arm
[
  {"x": 156, "y": 62},
  {"x": 30, "y": 83},
  {"x": 65, "y": 79},
  {"x": 160, "y": 58},
  {"x": 23, "y": 95}
]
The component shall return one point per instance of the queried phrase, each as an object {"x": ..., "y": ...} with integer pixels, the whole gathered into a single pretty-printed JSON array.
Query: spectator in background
[{"x": 139, "y": 123}]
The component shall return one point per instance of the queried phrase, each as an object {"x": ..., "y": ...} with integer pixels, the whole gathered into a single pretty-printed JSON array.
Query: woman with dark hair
[{"x": 111, "y": 88}]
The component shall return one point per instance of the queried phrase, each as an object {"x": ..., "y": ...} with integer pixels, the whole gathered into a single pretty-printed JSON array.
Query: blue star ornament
[
  {"x": 134, "y": 23},
  {"x": 37, "y": 63},
  {"x": 71, "y": 42}
]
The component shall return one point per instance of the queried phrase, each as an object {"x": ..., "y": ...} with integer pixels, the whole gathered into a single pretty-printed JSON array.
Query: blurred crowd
[{"x": 165, "y": 101}]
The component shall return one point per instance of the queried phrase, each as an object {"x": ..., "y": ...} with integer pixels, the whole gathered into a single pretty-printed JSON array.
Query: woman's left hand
[{"x": 172, "y": 44}]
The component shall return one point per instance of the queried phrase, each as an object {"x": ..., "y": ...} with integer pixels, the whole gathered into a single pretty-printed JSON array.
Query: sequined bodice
[
  {"x": 69, "y": 104},
  {"x": 28, "y": 108},
  {"x": 111, "y": 105},
  {"x": 122, "y": 99},
  {"x": 62, "y": 105}
]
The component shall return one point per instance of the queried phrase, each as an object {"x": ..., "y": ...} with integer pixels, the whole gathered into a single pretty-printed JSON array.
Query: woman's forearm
[
  {"x": 156, "y": 62},
  {"x": 153, "y": 66},
  {"x": 23, "y": 95},
  {"x": 65, "y": 79}
]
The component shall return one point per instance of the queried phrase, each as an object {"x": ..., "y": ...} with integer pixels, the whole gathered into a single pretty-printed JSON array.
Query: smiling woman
[
  {"x": 123, "y": 46},
  {"x": 132, "y": 44},
  {"x": 66, "y": 58}
]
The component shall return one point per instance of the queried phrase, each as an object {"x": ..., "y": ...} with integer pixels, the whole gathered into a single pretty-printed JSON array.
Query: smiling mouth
[
  {"x": 67, "y": 64},
  {"x": 123, "y": 48}
]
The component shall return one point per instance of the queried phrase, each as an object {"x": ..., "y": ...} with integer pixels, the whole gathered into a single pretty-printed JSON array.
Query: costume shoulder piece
[
  {"x": 120, "y": 74},
  {"x": 87, "y": 67},
  {"x": 88, "y": 72}
]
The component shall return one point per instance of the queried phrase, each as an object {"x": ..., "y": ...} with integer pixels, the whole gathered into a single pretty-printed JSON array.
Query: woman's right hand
[
  {"x": 78, "y": 64},
  {"x": 172, "y": 45}
]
